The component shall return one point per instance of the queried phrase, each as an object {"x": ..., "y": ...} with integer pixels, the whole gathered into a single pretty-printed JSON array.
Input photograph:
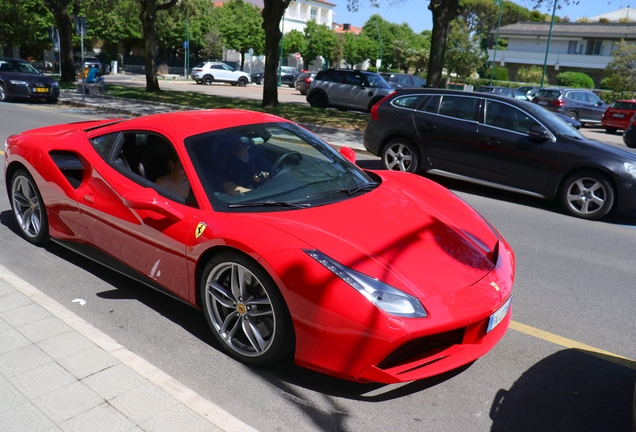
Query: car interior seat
[{"x": 154, "y": 161}]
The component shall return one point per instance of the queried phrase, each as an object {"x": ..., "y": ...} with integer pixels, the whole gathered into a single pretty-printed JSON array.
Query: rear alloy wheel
[
  {"x": 318, "y": 100},
  {"x": 242, "y": 82},
  {"x": 28, "y": 208},
  {"x": 245, "y": 309},
  {"x": 588, "y": 195},
  {"x": 400, "y": 154},
  {"x": 573, "y": 115},
  {"x": 208, "y": 80}
]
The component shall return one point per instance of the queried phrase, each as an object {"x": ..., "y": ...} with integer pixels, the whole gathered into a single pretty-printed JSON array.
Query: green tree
[
  {"x": 321, "y": 42},
  {"x": 621, "y": 70},
  {"x": 213, "y": 48},
  {"x": 463, "y": 53},
  {"x": 25, "y": 25},
  {"x": 241, "y": 27},
  {"x": 575, "y": 79},
  {"x": 400, "y": 49},
  {"x": 295, "y": 42},
  {"x": 356, "y": 49}
]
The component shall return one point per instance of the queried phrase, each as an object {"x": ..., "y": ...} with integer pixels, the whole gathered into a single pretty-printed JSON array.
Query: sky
[{"x": 416, "y": 13}]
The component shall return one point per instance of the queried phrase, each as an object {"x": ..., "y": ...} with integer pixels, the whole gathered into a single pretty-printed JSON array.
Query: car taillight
[
  {"x": 374, "y": 108},
  {"x": 557, "y": 103},
  {"x": 307, "y": 80}
]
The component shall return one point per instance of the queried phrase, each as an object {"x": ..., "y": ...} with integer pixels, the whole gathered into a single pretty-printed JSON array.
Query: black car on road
[
  {"x": 400, "y": 80},
  {"x": 502, "y": 142},
  {"x": 19, "y": 79},
  {"x": 287, "y": 75}
]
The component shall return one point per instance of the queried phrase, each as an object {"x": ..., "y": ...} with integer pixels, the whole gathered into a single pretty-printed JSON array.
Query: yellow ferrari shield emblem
[
  {"x": 495, "y": 286},
  {"x": 200, "y": 228}
]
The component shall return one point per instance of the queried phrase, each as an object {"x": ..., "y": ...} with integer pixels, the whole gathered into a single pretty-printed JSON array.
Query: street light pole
[
  {"x": 280, "y": 59},
  {"x": 494, "y": 57},
  {"x": 547, "y": 49}
]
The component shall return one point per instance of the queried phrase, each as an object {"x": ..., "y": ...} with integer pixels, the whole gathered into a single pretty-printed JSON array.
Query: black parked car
[
  {"x": 288, "y": 76},
  {"x": 20, "y": 80},
  {"x": 399, "y": 80},
  {"x": 579, "y": 104},
  {"x": 501, "y": 142}
]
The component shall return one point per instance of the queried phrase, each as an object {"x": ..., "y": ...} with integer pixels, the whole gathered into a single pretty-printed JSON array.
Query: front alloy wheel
[
  {"x": 400, "y": 155},
  {"x": 245, "y": 310},
  {"x": 28, "y": 208},
  {"x": 588, "y": 195},
  {"x": 4, "y": 96}
]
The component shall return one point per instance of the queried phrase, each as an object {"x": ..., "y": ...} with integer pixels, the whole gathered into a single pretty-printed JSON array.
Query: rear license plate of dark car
[{"x": 618, "y": 115}]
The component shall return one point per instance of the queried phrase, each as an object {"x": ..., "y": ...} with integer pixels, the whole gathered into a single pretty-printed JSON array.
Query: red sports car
[
  {"x": 618, "y": 115},
  {"x": 285, "y": 245}
]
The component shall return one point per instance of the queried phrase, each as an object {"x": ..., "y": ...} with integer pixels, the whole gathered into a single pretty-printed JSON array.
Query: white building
[{"x": 581, "y": 47}]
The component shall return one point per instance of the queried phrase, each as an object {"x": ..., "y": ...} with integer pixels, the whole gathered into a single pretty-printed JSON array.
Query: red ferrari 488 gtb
[{"x": 283, "y": 242}]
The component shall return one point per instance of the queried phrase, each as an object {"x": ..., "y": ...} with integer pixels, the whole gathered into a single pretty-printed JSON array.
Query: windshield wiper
[
  {"x": 269, "y": 204},
  {"x": 349, "y": 191}
]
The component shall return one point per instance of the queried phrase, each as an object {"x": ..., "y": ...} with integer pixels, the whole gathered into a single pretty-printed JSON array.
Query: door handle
[
  {"x": 491, "y": 142},
  {"x": 89, "y": 198}
]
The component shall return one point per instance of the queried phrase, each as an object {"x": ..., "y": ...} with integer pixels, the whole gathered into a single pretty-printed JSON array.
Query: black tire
[
  {"x": 292, "y": 85},
  {"x": 28, "y": 208},
  {"x": 4, "y": 94},
  {"x": 233, "y": 319},
  {"x": 242, "y": 82},
  {"x": 208, "y": 80},
  {"x": 610, "y": 131},
  {"x": 318, "y": 100},
  {"x": 198, "y": 81},
  {"x": 573, "y": 115},
  {"x": 587, "y": 195},
  {"x": 302, "y": 92},
  {"x": 401, "y": 154}
]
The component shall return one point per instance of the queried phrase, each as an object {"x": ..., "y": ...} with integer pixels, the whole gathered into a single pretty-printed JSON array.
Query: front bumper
[{"x": 32, "y": 91}]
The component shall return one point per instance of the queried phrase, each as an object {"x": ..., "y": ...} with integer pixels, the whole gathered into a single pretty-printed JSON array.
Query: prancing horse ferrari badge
[{"x": 201, "y": 227}]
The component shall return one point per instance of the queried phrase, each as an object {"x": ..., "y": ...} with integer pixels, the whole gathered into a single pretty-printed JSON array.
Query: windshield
[
  {"x": 554, "y": 122},
  {"x": 272, "y": 167},
  {"x": 17, "y": 66},
  {"x": 375, "y": 80}
]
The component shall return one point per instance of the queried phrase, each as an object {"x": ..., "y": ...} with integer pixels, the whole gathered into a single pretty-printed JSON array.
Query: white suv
[{"x": 208, "y": 72}]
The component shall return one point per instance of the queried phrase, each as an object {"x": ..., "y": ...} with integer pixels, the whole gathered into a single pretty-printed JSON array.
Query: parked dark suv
[
  {"x": 579, "y": 104},
  {"x": 501, "y": 142},
  {"x": 399, "y": 80},
  {"x": 347, "y": 89}
]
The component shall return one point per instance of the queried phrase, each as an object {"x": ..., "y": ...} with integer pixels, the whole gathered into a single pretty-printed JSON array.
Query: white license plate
[
  {"x": 543, "y": 102},
  {"x": 618, "y": 115},
  {"x": 498, "y": 316}
]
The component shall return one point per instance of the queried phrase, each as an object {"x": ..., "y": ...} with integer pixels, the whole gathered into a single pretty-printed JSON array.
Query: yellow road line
[{"x": 569, "y": 343}]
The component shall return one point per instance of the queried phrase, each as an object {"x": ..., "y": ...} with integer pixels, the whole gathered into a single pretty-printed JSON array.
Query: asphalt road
[{"x": 564, "y": 364}]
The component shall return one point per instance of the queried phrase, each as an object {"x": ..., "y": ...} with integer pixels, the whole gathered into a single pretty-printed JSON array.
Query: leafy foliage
[
  {"x": 24, "y": 24},
  {"x": 575, "y": 79},
  {"x": 321, "y": 41},
  {"x": 621, "y": 70},
  {"x": 463, "y": 53},
  {"x": 241, "y": 27},
  {"x": 501, "y": 73},
  {"x": 531, "y": 74}
]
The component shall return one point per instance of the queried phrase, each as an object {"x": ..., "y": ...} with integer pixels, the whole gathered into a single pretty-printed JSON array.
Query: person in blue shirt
[{"x": 94, "y": 78}]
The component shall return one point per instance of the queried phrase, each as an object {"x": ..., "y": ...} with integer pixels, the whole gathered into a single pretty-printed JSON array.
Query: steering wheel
[{"x": 278, "y": 163}]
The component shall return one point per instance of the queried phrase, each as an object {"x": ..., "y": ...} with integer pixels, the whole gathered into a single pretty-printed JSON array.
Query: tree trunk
[
  {"x": 64, "y": 23},
  {"x": 148, "y": 15},
  {"x": 443, "y": 12},
  {"x": 273, "y": 11}
]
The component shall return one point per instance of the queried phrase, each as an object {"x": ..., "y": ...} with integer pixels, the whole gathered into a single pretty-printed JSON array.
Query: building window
[
  {"x": 313, "y": 14},
  {"x": 593, "y": 48},
  {"x": 572, "y": 47}
]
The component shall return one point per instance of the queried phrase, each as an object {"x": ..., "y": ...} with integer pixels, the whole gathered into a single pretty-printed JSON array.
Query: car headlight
[
  {"x": 16, "y": 82},
  {"x": 54, "y": 84},
  {"x": 630, "y": 168},
  {"x": 389, "y": 299}
]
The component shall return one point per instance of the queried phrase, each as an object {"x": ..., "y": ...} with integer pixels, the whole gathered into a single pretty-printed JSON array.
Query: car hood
[
  {"x": 23, "y": 76},
  {"x": 615, "y": 149},
  {"x": 409, "y": 232}
]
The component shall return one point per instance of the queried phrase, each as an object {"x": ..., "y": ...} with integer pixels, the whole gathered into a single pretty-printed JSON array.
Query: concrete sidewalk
[
  {"x": 58, "y": 373},
  {"x": 334, "y": 136}
]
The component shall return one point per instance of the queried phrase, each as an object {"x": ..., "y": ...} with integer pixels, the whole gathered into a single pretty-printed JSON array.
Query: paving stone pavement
[{"x": 58, "y": 373}]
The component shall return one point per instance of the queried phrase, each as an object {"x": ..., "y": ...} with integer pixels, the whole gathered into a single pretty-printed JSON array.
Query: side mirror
[
  {"x": 149, "y": 199},
  {"x": 600, "y": 103},
  {"x": 539, "y": 133},
  {"x": 348, "y": 153}
]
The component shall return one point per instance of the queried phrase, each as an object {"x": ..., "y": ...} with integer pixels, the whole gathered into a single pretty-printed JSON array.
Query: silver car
[{"x": 347, "y": 89}]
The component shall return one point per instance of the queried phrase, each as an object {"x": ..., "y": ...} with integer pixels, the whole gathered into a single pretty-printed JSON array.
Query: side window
[
  {"x": 153, "y": 158},
  {"x": 573, "y": 96},
  {"x": 459, "y": 107},
  {"x": 104, "y": 144},
  {"x": 507, "y": 117},
  {"x": 410, "y": 102},
  {"x": 591, "y": 97},
  {"x": 339, "y": 77},
  {"x": 354, "y": 79},
  {"x": 432, "y": 105}
]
